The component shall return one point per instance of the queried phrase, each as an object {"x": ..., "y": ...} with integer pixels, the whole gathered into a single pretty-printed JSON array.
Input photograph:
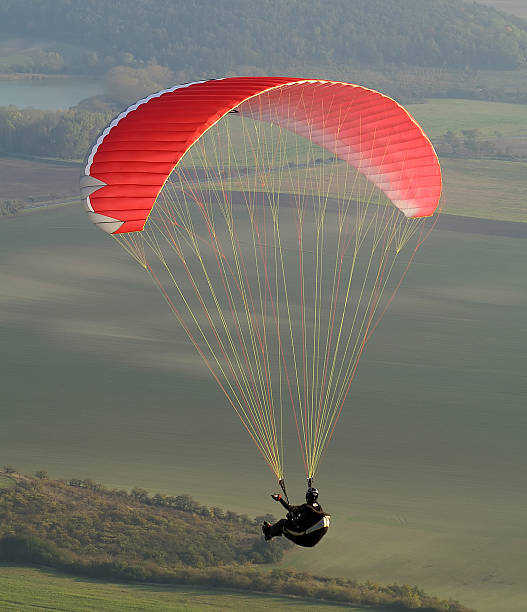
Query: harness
[
  {"x": 322, "y": 524},
  {"x": 307, "y": 537}
]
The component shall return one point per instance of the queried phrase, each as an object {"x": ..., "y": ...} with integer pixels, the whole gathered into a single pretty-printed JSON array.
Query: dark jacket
[
  {"x": 299, "y": 521},
  {"x": 305, "y": 516}
]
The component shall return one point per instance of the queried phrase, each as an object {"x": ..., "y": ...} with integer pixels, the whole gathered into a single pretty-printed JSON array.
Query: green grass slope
[
  {"x": 26, "y": 590},
  {"x": 437, "y": 116},
  {"x": 81, "y": 524}
]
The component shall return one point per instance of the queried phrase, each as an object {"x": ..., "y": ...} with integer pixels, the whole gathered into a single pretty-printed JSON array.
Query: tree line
[
  {"x": 63, "y": 134},
  {"x": 473, "y": 144},
  {"x": 84, "y": 528},
  {"x": 70, "y": 134},
  {"x": 265, "y": 35},
  {"x": 88, "y": 522}
]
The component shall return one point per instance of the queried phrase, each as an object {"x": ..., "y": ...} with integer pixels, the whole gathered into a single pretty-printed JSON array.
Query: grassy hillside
[
  {"x": 86, "y": 529},
  {"x": 485, "y": 188},
  {"x": 88, "y": 526},
  {"x": 24, "y": 590}
]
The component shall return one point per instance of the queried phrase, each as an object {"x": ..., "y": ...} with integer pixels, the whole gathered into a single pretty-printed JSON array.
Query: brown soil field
[{"x": 27, "y": 180}]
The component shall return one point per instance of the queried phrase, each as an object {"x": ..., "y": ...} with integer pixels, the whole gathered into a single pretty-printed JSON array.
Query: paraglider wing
[
  {"x": 135, "y": 154},
  {"x": 266, "y": 240}
]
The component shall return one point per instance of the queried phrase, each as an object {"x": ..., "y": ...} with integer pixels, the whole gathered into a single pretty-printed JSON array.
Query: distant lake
[{"x": 51, "y": 94}]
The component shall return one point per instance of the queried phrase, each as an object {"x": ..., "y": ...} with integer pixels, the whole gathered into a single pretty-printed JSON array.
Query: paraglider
[
  {"x": 277, "y": 217},
  {"x": 304, "y": 525}
]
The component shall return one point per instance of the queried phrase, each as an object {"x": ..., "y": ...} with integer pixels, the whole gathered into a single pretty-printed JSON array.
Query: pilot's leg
[
  {"x": 278, "y": 528},
  {"x": 271, "y": 531}
]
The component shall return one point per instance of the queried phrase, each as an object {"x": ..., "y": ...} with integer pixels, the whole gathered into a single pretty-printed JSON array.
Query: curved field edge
[{"x": 29, "y": 588}]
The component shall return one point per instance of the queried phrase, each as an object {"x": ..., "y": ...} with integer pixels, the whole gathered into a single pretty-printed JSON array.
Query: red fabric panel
[
  {"x": 134, "y": 211},
  {"x": 132, "y": 226},
  {"x": 368, "y": 130},
  {"x": 364, "y": 128},
  {"x": 149, "y": 140}
]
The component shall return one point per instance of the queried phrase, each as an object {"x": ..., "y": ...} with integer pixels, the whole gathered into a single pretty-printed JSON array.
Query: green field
[
  {"x": 23, "y": 589},
  {"x": 440, "y": 115},
  {"x": 425, "y": 474},
  {"x": 485, "y": 188}
]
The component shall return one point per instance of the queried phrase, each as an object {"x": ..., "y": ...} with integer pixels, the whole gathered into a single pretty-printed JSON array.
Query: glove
[{"x": 276, "y": 496}]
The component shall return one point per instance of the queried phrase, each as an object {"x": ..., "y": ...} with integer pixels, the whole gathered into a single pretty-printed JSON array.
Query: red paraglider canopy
[{"x": 136, "y": 153}]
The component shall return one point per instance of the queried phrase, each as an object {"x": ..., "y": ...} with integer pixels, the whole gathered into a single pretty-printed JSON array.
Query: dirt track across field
[
  {"x": 39, "y": 181},
  {"x": 454, "y": 223}
]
